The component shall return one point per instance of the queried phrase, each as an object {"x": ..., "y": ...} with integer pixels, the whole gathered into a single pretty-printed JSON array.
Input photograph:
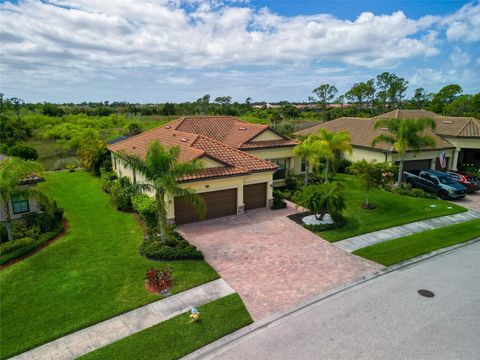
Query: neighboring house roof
[
  {"x": 195, "y": 146},
  {"x": 406, "y": 114},
  {"x": 362, "y": 133}
]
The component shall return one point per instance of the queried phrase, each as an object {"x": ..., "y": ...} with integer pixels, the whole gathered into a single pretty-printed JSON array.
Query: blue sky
[{"x": 179, "y": 50}]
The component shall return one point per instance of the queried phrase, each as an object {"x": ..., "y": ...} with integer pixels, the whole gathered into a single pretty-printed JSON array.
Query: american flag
[{"x": 443, "y": 160}]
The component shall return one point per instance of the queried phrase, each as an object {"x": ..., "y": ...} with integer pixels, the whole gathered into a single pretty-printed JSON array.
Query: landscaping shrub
[
  {"x": 146, "y": 207},
  {"x": 47, "y": 220},
  {"x": 174, "y": 248},
  {"x": 278, "y": 200},
  {"x": 159, "y": 280},
  {"x": 3, "y": 233},
  {"x": 293, "y": 182},
  {"x": 23, "y": 151},
  {"x": 21, "y": 231},
  {"x": 14, "y": 245},
  {"x": 407, "y": 190},
  {"x": 341, "y": 165},
  {"x": 107, "y": 179},
  {"x": 122, "y": 191}
]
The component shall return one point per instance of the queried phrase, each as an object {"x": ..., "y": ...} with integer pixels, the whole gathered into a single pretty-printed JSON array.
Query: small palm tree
[
  {"x": 161, "y": 169},
  {"x": 12, "y": 171},
  {"x": 333, "y": 142},
  {"x": 405, "y": 134},
  {"x": 322, "y": 199},
  {"x": 369, "y": 174}
]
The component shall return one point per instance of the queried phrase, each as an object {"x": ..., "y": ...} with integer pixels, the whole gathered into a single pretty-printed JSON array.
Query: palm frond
[{"x": 389, "y": 139}]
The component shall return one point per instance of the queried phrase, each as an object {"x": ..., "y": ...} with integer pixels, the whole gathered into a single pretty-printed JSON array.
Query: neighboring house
[
  {"x": 242, "y": 161},
  {"x": 458, "y": 137},
  {"x": 20, "y": 204}
]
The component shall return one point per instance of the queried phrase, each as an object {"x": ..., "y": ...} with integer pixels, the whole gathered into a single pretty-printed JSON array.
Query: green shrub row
[{"x": 175, "y": 248}]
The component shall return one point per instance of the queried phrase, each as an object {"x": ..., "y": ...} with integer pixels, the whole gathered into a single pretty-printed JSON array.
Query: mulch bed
[
  {"x": 299, "y": 216},
  {"x": 44, "y": 245}
]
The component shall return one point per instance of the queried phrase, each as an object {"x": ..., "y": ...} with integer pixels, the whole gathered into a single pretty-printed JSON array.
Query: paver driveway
[
  {"x": 471, "y": 201},
  {"x": 272, "y": 262}
]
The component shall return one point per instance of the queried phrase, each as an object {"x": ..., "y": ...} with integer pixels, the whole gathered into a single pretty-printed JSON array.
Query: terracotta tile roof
[
  {"x": 362, "y": 133},
  {"x": 195, "y": 146},
  {"x": 269, "y": 144},
  {"x": 226, "y": 129}
]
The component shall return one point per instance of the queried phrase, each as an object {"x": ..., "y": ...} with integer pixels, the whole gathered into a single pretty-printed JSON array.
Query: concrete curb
[{"x": 229, "y": 341}]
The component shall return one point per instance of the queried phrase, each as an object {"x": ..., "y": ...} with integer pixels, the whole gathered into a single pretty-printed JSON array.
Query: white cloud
[
  {"x": 464, "y": 25},
  {"x": 129, "y": 33},
  {"x": 459, "y": 58},
  {"x": 202, "y": 44}
]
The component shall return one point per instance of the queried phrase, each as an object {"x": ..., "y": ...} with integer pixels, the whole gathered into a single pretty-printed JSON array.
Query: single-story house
[
  {"x": 458, "y": 137},
  {"x": 243, "y": 162},
  {"x": 20, "y": 204}
]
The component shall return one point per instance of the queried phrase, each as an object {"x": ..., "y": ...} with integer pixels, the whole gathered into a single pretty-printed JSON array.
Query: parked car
[
  {"x": 470, "y": 182},
  {"x": 435, "y": 182}
]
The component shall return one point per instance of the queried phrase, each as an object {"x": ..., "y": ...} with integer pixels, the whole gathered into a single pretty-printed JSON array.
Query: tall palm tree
[
  {"x": 162, "y": 169},
  {"x": 309, "y": 150},
  {"x": 12, "y": 171},
  {"x": 405, "y": 134},
  {"x": 333, "y": 142}
]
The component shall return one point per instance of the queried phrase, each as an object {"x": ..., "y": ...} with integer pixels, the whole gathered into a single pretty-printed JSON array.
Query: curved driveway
[{"x": 272, "y": 262}]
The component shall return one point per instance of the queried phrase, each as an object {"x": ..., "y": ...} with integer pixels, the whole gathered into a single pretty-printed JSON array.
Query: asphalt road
[{"x": 384, "y": 318}]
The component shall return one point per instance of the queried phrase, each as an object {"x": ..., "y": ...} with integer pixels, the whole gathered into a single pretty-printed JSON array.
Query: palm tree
[
  {"x": 333, "y": 142},
  {"x": 12, "y": 171},
  {"x": 309, "y": 150},
  {"x": 322, "y": 199},
  {"x": 405, "y": 134},
  {"x": 162, "y": 169}
]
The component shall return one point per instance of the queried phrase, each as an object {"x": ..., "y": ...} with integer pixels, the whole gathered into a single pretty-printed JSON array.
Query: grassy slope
[
  {"x": 391, "y": 210},
  {"x": 177, "y": 337},
  {"x": 407, "y": 247},
  {"x": 92, "y": 273}
]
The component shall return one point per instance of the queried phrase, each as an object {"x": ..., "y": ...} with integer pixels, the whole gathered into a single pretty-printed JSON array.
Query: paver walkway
[
  {"x": 272, "y": 262},
  {"x": 361, "y": 241},
  {"x": 104, "y": 333}
]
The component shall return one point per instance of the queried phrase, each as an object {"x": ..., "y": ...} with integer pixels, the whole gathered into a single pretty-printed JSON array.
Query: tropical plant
[
  {"x": 310, "y": 150},
  {"x": 332, "y": 142},
  {"x": 93, "y": 155},
  {"x": 405, "y": 134},
  {"x": 162, "y": 169},
  {"x": 322, "y": 199},
  {"x": 369, "y": 174},
  {"x": 12, "y": 171}
]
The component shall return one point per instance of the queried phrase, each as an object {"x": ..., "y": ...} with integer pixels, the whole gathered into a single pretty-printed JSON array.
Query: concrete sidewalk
[
  {"x": 99, "y": 335},
  {"x": 361, "y": 241}
]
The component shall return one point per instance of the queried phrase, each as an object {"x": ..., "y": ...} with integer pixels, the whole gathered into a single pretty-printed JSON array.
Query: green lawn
[
  {"x": 391, "y": 210},
  {"x": 178, "y": 336},
  {"x": 407, "y": 247},
  {"x": 92, "y": 273}
]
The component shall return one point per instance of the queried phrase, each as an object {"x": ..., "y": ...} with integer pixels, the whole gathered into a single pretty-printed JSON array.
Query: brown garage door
[
  {"x": 255, "y": 196},
  {"x": 218, "y": 203},
  {"x": 416, "y": 165}
]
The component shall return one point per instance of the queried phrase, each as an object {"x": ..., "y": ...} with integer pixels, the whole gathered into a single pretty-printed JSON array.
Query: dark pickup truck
[{"x": 435, "y": 182}]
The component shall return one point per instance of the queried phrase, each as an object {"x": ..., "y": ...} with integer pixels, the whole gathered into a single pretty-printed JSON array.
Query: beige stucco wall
[
  {"x": 294, "y": 162},
  {"x": 32, "y": 203},
  {"x": 365, "y": 154},
  {"x": 266, "y": 135},
  {"x": 205, "y": 185},
  {"x": 464, "y": 143}
]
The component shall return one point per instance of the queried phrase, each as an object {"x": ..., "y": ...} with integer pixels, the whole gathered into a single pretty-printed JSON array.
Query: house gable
[{"x": 266, "y": 136}]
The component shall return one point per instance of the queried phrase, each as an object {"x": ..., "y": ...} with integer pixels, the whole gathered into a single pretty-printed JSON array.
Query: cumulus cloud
[
  {"x": 74, "y": 41},
  {"x": 464, "y": 25},
  {"x": 129, "y": 33}
]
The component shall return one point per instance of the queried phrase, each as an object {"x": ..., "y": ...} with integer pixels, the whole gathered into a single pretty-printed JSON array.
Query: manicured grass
[
  {"x": 391, "y": 210},
  {"x": 92, "y": 273},
  {"x": 178, "y": 336},
  {"x": 407, "y": 247}
]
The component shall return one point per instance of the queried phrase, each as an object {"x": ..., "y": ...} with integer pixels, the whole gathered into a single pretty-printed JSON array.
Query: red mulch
[{"x": 45, "y": 244}]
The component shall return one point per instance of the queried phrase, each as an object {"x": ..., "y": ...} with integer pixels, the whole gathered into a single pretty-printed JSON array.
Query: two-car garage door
[{"x": 222, "y": 203}]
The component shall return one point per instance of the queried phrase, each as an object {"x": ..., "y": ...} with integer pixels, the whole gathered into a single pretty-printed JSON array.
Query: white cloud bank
[{"x": 65, "y": 39}]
